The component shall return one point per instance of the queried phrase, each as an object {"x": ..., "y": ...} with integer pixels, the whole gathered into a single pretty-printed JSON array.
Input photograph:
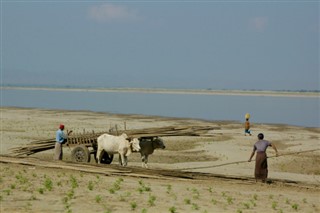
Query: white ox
[
  {"x": 121, "y": 145},
  {"x": 148, "y": 147}
]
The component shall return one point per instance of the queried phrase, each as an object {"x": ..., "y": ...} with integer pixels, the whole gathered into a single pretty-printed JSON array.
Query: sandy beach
[{"x": 294, "y": 176}]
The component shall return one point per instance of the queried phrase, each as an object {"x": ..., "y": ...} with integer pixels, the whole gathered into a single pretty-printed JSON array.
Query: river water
[{"x": 300, "y": 111}]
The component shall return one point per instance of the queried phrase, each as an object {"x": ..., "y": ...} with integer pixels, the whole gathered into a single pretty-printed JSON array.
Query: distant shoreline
[{"x": 174, "y": 91}]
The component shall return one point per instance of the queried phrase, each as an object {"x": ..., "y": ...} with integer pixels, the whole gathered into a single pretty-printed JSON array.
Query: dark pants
[{"x": 261, "y": 169}]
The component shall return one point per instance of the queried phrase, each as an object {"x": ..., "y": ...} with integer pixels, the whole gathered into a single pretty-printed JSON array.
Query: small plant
[
  {"x": 239, "y": 211},
  {"x": 287, "y": 201},
  {"x": 74, "y": 182},
  {"x": 304, "y": 200},
  {"x": 133, "y": 205},
  {"x": 144, "y": 210},
  {"x": 98, "y": 198},
  {"x": 172, "y": 209},
  {"x": 41, "y": 190},
  {"x": 246, "y": 205},
  {"x": 253, "y": 203},
  {"x": 48, "y": 184},
  {"x": 21, "y": 178},
  {"x": 295, "y": 206},
  {"x": 213, "y": 201},
  {"x": 274, "y": 205},
  {"x": 187, "y": 201},
  {"x": 255, "y": 197},
  {"x": 90, "y": 185},
  {"x": 70, "y": 194},
  {"x": 151, "y": 200},
  {"x": 195, "y": 206},
  {"x": 13, "y": 186},
  {"x": 143, "y": 187},
  {"x": 7, "y": 191},
  {"x": 229, "y": 200}
]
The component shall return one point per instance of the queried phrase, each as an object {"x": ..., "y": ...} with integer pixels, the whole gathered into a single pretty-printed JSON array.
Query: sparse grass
[
  {"x": 195, "y": 206},
  {"x": 41, "y": 190},
  {"x": 98, "y": 198},
  {"x": 90, "y": 185},
  {"x": 7, "y": 191},
  {"x": 173, "y": 209},
  {"x": 295, "y": 206},
  {"x": 48, "y": 184},
  {"x": 70, "y": 194},
  {"x": 133, "y": 205},
  {"x": 187, "y": 201},
  {"x": 229, "y": 200},
  {"x": 151, "y": 200},
  {"x": 197, "y": 197},
  {"x": 74, "y": 182},
  {"x": 143, "y": 188},
  {"x": 274, "y": 205}
]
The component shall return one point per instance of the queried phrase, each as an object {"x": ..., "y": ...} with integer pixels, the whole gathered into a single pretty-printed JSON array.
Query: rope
[{"x": 237, "y": 162}]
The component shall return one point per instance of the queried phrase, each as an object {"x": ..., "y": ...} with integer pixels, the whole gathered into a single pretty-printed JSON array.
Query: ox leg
[
  {"x": 120, "y": 160},
  {"x": 142, "y": 159},
  {"x": 125, "y": 160},
  {"x": 98, "y": 155},
  {"x": 146, "y": 161}
]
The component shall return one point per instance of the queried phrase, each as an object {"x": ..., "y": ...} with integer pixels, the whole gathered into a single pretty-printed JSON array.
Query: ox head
[
  {"x": 158, "y": 143},
  {"x": 134, "y": 143}
]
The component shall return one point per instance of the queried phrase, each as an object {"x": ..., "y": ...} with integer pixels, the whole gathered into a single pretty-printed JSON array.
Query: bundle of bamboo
[{"x": 90, "y": 138}]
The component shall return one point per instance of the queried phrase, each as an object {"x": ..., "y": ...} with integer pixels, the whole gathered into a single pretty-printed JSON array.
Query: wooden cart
[{"x": 85, "y": 144}]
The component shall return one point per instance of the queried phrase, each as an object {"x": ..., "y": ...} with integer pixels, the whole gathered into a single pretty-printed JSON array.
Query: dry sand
[{"x": 294, "y": 179}]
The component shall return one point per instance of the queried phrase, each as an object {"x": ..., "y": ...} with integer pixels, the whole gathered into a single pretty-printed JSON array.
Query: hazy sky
[{"x": 270, "y": 45}]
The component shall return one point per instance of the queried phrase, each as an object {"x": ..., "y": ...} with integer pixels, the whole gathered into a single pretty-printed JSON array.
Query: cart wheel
[
  {"x": 106, "y": 159},
  {"x": 80, "y": 154}
]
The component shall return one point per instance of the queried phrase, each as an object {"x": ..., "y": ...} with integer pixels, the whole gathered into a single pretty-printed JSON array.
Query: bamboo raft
[{"x": 89, "y": 139}]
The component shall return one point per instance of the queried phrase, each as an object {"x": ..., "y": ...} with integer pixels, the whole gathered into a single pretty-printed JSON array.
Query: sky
[{"x": 247, "y": 45}]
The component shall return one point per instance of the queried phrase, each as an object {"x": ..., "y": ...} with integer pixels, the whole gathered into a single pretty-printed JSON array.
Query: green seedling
[
  {"x": 230, "y": 200},
  {"x": 74, "y": 182},
  {"x": 274, "y": 205},
  {"x": 133, "y": 205},
  {"x": 295, "y": 206},
  {"x": 90, "y": 185},
  {"x": 144, "y": 210},
  {"x": 98, "y": 198},
  {"x": 255, "y": 197},
  {"x": 187, "y": 201},
  {"x": 48, "y": 184},
  {"x": 41, "y": 190},
  {"x": 13, "y": 186},
  {"x": 70, "y": 194},
  {"x": 172, "y": 209},
  {"x": 7, "y": 191},
  {"x": 213, "y": 201},
  {"x": 195, "y": 206},
  {"x": 151, "y": 200}
]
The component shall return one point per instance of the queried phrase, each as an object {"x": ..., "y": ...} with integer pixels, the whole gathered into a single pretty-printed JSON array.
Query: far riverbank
[{"x": 175, "y": 91}]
